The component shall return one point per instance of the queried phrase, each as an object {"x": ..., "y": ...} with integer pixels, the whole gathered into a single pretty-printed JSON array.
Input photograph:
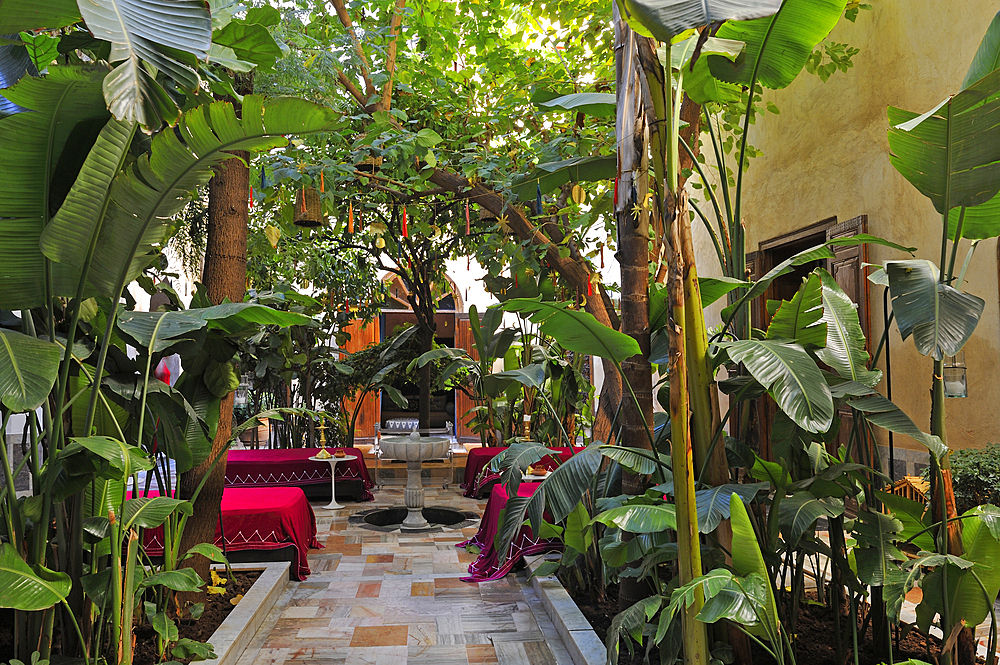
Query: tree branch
[
  {"x": 390, "y": 64},
  {"x": 366, "y": 73}
]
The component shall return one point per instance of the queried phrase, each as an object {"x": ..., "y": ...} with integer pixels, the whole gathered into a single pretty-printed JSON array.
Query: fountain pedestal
[{"x": 414, "y": 449}]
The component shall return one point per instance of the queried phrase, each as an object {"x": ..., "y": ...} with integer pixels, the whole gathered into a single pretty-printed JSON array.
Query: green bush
[{"x": 976, "y": 477}]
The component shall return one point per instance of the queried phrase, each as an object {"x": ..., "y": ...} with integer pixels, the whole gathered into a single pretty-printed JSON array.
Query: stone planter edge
[
  {"x": 231, "y": 638},
  {"x": 583, "y": 644}
]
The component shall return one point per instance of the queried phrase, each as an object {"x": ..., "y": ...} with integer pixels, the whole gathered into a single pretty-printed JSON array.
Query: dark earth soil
[
  {"x": 217, "y": 608},
  {"x": 814, "y": 629}
]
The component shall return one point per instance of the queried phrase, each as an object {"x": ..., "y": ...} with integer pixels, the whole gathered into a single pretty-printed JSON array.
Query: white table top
[{"x": 333, "y": 458}]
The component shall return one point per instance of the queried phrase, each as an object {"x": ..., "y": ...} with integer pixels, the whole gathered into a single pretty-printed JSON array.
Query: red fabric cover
[
  {"x": 482, "y": 476},
  {"x": 487, "y": 566},
  {"x": 291, "y": 467},
  {"x": 268, "y": 518},
  {"x": 478, "y": 458}
]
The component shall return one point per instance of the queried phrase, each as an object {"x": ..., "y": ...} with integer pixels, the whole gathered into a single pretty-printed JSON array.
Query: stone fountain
[{"x": 414, "y": 449}]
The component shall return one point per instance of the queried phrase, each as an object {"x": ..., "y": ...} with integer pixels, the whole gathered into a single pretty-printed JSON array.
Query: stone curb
[
  {"x": 231, "y": 638},
  {"x": 583, "y": 644}
]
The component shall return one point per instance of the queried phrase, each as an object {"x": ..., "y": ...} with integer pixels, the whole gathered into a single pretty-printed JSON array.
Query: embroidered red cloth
[
  {"x": 487, "y": 566},
  {"x": 291, "y": 467},
  {"x": 478, "y": 477},
  {"x": 267, "y": 518}
]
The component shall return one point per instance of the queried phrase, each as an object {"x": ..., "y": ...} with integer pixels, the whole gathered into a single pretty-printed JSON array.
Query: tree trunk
[
  {"x": 225, "y": 278},
  {"x": 426, "y": 344}
]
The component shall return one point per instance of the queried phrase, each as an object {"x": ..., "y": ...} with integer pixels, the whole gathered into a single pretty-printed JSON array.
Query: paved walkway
[{"x": 394, "y": 599}]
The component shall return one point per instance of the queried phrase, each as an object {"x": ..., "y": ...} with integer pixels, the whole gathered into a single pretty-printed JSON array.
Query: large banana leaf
[
  {"x": 151, "y": 512},
  {"x": 250, "y": 40},
  {"x": 881, "y": 412},
  {"x": 699, "y": 84},
  {"x": 987, "y": 56},
  {"x": 28, "y": 369},
  {"x": 966, "y": 599},
  {"x": 947, "y": 153},
  {"x": 713, "y": 503},
  {"x": 148, "y": 193},
  {"x": 797, "y": 28},
  {"x": 940, "y": 317},
  {"x": 127, "y": 459},
  {"x": 792, "y": 378},
  {"x": 24, "y": 589},
  {"x": 66, "y": 99},
  {"x": 877, "y": 554},
  {"x": 844, "y": 350},
  {"x": 799, "y": 512},
  {"x": 640, "y": 518},
  {"x": 18, "y": 15},
  {"x": 550, "y": 175},
  {"x": 665, "y": 18},
  {"x": 575, "y": 330},
  {"x": 600, "y": 104},
  {"x": 747, "y": 558},
  {"x": 801, "y": 319},
  {"x": 160, "y": 32}
]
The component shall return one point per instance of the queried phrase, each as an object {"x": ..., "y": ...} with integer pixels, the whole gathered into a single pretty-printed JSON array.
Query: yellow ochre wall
[{"x": 827, "y": 154}]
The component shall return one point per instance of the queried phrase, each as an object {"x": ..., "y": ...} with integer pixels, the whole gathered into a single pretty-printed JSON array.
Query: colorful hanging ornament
[
  {"x": 406, "y": 232},
  {"x": 347, "y": 305},
  {"x": 590, "y": 287},
  {"x": 304, "y": 201},
  {"x": 250, "y": 204},
  {"x": 468, "y": 222},
  {"x": 515, "y": 280},
  {"x": 538, "y": 197},
  {"x": 350, "y": 217},
  {"x": 602, "y": 257},
  {"x": 321, "y": 182},
  {"x": 616, "y": 193}
]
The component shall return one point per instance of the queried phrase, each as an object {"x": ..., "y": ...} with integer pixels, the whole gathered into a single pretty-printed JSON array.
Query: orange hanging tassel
[
  {"x": 321, "y": 182},
  {"x": 406, "y": 232},
  {"x": 515, "y": 280},
  {"x": 304, "y": 201},
  {"x": 468, "y": 222},
  {"x": 347, "y": 305},
  {"x": 250, "y": 204},
  {"x": 350, "y": 217}
]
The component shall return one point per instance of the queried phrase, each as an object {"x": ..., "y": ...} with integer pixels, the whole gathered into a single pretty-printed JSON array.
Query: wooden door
[
  {"x": 464, "y": 340},
  {"x": 363, "y": 336}
]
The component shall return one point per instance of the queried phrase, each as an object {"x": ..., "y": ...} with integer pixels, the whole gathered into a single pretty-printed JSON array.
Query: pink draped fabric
[
  {"x": 291, "y": 467},
  {"x": 482, "y": 476},
  {"x": 268, "y": 518},
  {"x": 487, "y": 566}
]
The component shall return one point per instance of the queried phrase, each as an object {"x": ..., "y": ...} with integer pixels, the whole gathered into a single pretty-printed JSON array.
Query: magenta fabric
[
  {"x": 487, "y": 566},
  {"x": 268, "y": 518},
  {"x": 478, "y": 458},
  {"x": 291, "y": 467},
  {"x": 483, "y": 476}
]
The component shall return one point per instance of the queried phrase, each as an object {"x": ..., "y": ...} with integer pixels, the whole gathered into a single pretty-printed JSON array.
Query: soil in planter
[
  {"x": 814, "y": 628},
  {"x": 217, "y": 608}
]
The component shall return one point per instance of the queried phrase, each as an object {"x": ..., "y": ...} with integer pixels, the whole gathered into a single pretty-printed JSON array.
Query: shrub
[{"x": 976, "y": 477}]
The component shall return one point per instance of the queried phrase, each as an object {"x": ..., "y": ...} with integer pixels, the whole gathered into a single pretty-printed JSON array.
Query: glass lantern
[{"x": 955, "y": 383}]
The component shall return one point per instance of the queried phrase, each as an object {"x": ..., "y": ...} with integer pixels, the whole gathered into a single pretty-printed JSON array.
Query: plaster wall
[{"x": 827, "y": 154}]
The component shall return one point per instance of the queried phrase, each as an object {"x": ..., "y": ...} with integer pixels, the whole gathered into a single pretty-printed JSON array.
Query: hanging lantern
[
  {"x": 308, "y": 212},
  {"x": 955, "y": 382}
]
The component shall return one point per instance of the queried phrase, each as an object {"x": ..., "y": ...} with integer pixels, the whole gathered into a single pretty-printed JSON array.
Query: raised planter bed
[
  {"x": 583, "y": 644},
  {"x": 231, "y": 638}
]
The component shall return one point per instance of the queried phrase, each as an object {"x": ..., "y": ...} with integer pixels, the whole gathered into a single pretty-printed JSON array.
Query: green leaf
[
  {"x": 188, "y": 648},
  {"x": 877, "y": 554},
  {"x": 575, "y": 330},
  {"x": 913, "y": 515},
  {"x": 797, "y": 28},
  {"x": 164, "y": 626},
  {"x": 881, "y": 412},
  {"x": 799, "y": 512},
  {"x": 128, "y": 459},
  {"x": 640, "y": 518},
  {"x": 24, "y": 589},
  {"x": 150, "y": 512},
  {"x": 666, "y": 18},
  {"x": 630, "y": 622},
  {"x": 747, "y": 559},
  {"x": 18, "y": 15},
  {"x": 221, "y": 378},
  {"x": 713, "y": 288},
  {"x": 740, "y": 601},
  {"x": 636, "y": 460},
  {"x": 599, "y": 104},
  {"x": 551, "y": 175},
  {"x": 713, "y": 503},
  {"x": 184, "y": 579},
  {"x": 844, "y": 350},
  {"x": 940, "y": 317},
  {"x": 699, "y": 84},
  {"x": 42, "y": 48},
  {"x": 801, "y": 319},
  {"x": 942, "y": 152},
  {"x": 578, "y": 535},
  {"x": 251, "y": 42},
  {"x": 28, "y": 368},
  {"x": 34, "y": 143},
  {"x": 792, "y": 378},
  {"x": 157, "y": 32},
  {"x": 987, "y": 58}
]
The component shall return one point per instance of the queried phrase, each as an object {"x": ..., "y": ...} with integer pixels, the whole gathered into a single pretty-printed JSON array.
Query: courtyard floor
[{"x": 392, "y": 599}]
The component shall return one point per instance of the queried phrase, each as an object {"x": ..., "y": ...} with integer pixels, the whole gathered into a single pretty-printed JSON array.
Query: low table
[
  {"x": 333, "y": 505},
  {"x": 487, "y": 566},
  {"x": 292, "y": 467}
]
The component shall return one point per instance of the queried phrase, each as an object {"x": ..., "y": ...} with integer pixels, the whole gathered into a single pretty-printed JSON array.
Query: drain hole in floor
[{"x": 395, "y": 516}]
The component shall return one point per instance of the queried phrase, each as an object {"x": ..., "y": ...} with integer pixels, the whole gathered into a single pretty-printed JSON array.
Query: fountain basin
[{"x": 414, "y": 450}]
